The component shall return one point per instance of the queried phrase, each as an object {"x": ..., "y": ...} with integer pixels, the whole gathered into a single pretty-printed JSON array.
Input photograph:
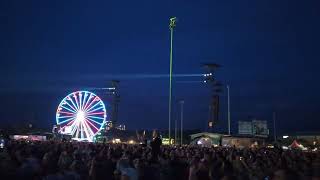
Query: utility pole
[
  {"x": 229, "y": 122},
  {"x": 172, "y": 25},
  {"x": 181, "y": 122},
  {"x": 274, "y": 127}
]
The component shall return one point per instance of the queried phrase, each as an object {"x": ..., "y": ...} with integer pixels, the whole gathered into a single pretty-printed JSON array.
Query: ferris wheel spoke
[
  {"x": 64, "y": 112},
  {"x": 71, "y": 110},
  {"x": 67, "y": 120},
  {"x": 81, "y": 131},
  {"x": 88, "y": 129},
  {"x": 88, "y": 105},
  {"x": 95, "y": 113},
  {"x": 84, "y": 100},
  {"x": 84, "y": 131},
  {"x": 72, "y": 107},
  {"x": 94, "y": 110},
  {"x": 71, "y": 122},
  {"x": 93, "y": 125},
  {"x": 77, "y": 103},
  {"x": 68, "y": 125},
  {"x": 96, "y": 117},
  {"x": 87, "y": 102},
  {"x": 77, "y": 130},
  {"x": 73, "y": 128},
  {"x": 98, "y": 103},
  {"x": 94, "y": 121},
  {"x": 80, "y": 100},
  {"x": 65, "y": 116},
  {"x": 91, "y": 105}
]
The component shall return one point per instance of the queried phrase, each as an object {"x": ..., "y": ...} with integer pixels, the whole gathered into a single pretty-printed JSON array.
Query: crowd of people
[{"x": 54, "y": 160}]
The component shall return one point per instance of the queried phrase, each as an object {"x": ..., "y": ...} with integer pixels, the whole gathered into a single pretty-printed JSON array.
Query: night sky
[{"x": 269, "y": 51}]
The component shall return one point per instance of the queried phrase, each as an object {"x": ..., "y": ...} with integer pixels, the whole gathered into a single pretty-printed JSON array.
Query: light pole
[
  {"x": 181, "y": 122},
  {"x": 229, "y": 128},
  {"x": 172, "y": 25},
  {"x": 274, "y": 127}
]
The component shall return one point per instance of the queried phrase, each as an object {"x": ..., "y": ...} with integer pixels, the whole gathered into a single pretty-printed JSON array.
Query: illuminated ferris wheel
[{"x": 81, "y": 114}]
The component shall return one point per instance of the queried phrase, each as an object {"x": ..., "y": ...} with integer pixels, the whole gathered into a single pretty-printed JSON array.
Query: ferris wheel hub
[{"x": 80, "y": 116}]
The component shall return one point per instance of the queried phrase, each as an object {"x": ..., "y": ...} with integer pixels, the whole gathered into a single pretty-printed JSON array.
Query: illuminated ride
[{"x": 81, "y": 115}]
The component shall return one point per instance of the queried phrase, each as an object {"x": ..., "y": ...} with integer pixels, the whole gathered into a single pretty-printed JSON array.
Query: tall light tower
[{"x": 172, "y": 25}]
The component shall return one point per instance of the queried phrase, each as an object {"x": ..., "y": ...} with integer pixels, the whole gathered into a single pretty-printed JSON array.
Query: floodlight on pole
[{"x": 172, "y": 25}]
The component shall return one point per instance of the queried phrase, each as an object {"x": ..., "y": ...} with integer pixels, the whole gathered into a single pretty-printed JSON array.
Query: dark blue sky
[{"x": 269, "y": 51}]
